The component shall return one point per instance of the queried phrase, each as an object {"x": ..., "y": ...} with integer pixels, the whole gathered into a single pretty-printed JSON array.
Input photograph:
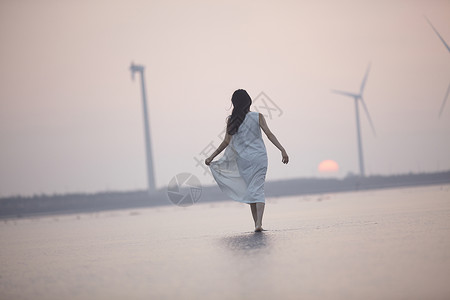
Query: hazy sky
[{"x": 71, "y": 117}]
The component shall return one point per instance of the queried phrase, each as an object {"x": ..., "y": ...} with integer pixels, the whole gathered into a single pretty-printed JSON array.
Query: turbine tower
[
  {"x": 150, "y": 175},
  {"x": 448, "y": 48},
  {"x": 357, "y": 98}
]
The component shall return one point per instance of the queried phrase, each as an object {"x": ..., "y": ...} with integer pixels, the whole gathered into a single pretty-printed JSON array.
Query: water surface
[{"x": 384, "y": 244}]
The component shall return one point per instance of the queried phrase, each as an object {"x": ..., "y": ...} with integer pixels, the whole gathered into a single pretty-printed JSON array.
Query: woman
[{"x": 241, "y": 172}]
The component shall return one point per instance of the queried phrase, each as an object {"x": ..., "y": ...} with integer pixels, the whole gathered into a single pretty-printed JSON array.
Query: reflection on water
[
  {"x": 387, "y": 244},
  {"x": 248, "y": 243}
]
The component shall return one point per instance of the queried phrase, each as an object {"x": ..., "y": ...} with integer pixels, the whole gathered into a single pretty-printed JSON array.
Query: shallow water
[{"x": 385, "y": 244}]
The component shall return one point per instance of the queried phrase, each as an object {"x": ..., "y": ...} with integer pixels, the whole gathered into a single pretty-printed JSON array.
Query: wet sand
[{"x": 384, "y": 244}]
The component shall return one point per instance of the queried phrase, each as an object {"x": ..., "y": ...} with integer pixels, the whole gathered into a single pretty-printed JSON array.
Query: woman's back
[{"x": 247, "y": 141}]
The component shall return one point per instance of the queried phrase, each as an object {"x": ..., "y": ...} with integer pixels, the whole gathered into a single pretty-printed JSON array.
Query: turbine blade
[
  {"x": 368, "y": 116},
  {"x": 437, "y": 33},
  {"x": 345, "y": 93},
  {"x": 363, "y": 83},
  {"x": 445, "y": 100}
]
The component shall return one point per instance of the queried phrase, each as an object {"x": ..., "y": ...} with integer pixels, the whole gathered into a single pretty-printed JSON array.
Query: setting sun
[{"x": 328, "y": 166}]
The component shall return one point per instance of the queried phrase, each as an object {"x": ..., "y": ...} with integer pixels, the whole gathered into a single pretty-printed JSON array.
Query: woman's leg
[
  {"x": 259, "y": 215},
  {"x": 254, "y": 213}
]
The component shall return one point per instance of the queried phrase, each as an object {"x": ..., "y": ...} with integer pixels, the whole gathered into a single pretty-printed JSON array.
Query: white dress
[{"x": 241, "y": 171}]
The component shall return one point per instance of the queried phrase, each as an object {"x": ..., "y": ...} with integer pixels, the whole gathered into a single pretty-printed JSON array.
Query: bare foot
[{"x": 258, "y": 229}]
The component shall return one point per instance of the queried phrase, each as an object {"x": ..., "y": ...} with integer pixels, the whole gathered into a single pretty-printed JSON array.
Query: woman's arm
[
  {"x": 273, "y": 138},
  {"x": 221, "y": 147}
]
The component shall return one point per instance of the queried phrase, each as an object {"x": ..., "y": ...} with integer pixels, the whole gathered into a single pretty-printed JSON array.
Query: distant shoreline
[{"x": 18, "y": 206}]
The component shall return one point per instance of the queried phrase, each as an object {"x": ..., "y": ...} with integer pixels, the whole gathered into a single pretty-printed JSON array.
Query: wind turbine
[
  {"x": 359, "y": 97},
  {"x": 448, "y": 48},
  {"x": 150, "y": 175}
]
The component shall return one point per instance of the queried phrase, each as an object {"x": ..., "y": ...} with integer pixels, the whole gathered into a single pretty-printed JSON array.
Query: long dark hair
[{"x": 241, "y": 106}]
